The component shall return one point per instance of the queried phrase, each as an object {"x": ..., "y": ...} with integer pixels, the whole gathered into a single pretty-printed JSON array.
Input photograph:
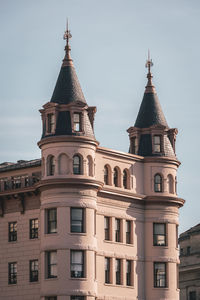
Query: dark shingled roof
[
  {"x": 150, "y": 112},
  {"x": 67, "y": 87}
]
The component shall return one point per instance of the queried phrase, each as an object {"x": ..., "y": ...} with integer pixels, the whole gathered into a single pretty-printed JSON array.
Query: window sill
[
  {"x": 34, "y": 282},
  {"x": 119, "y": 285},
  {"x": 82, "y": 278},
  {"x": 118, "y": 243},
  {"x": 53, "y": 278},
  {"x": 51, "y": 234},
  {"x": 78, "y": 233}
]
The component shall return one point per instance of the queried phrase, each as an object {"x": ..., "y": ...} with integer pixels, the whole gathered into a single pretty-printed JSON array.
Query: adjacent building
[
  {"x": 84, "y": 222},
  {"x": 189, "y": 268}
]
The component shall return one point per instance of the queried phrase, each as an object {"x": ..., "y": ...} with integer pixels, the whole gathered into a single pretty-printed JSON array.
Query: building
[
  {"x": 87, "y": 222},
  {"x": 189, "y": 269}
]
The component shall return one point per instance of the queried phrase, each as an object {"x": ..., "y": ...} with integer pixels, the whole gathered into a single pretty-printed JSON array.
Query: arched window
[
  {"x": 157, "y": 183},
  {"x": 106, "y": 179},
  {"x": 90, "y": 166},
  {"x": 50, "y": 165},
  {"x": 170, "y": 182},
  {"x": 125, "y": 179},
  {"x": 76, "y": 164},
  {"x": 116, "y": 177}
]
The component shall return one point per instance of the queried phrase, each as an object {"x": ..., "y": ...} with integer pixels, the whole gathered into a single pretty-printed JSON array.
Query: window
[
  {"x": 12, "y": 229},
  {"x": 77, "y": 122},
  {"x": 116, "y": 177},
  {"x": 51, "y": 298},
  {"x": 128, "y": 232},
  {"x": 52, "y": 220},
  {"x": 34, "y": 229},
  {"x": 188, "y": 250},
  {"x": 33, "y": 270},
  {"x": 192, "y": 295},
  {"x": 107, "y": 270},
  {"x": 106, "y": 175},
  {"x": 77, "y": 264},
  {"x": 133, "y": 145},
  {"x": 77, "y": 220},
  {"x": 12, "y": 273},
  {"x": 160, "y": 275},
  {"x": 50, "y": 165},
  {"x": 157, "y": 143},
  {"x": 128, "y": 272},
  {"x": 77, "y": 298},
  {"x": 157, "y": 183},
  {"x": 51, "y": 264},
  {"x": 50, "y": 123},
  {"x": 107, "y": 228},
  {"x": 181, "y": 252},
  {"x": 118, "y": 271},
  {"x": 117, "y": 230},
  {"x": 159, "y": 234},
  {"x": 76, "y": 165},
  {"x": 125, "y": 179},
  {"x": 16, "y": 182}
]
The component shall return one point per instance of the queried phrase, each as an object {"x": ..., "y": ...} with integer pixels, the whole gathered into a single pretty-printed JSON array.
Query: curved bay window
[
  {"x": 116, "y": 177},
  {"x": 50, "y": 165},
  {"x": 76, "y": 165},
  {"x": 157, "y": 183}
]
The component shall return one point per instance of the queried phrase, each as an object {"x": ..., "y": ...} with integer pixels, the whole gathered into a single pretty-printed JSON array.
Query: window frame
[
  {"x": 129, "y": 232},
  {"x": 155, "y": 235},
  {"x": 81, "y": 273},
  {"x": 116, "y": 177},
  {"x": 82, "y": 220},
  {"x": 107, "y": 228},
  {"x": 33, "y": 272},
  {"x": 158, "y": 184},
  {"x": 12, "y": 273},
  {"x": 77, "y": 123},
  {"x": 12, "y": 234},
  {"x": 107, "y": 270},
  {"x": 50, "y": 264},
  {"x": 50, "y": 222},
  {"x": 106, "y": 175},
  {"x": 50, "y": 123},
  {"x": 118, "y": 230},
  {"x": 160, "y": 277},
  {"x": 157, "y": 144},
  {"x": 33, "y": 228},
  {"x": 77, "y": 168},
  {"x": 129, "y": 273},
  {"x": 118, "y": 269}
]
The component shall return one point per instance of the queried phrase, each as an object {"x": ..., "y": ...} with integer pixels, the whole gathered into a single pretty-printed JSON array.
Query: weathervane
[
  {"x": 149, "y": 63},
  {"x": 67, "y": 34}
]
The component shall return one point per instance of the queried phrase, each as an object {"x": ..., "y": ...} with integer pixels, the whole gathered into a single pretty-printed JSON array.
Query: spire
[
  {"x": 67, "y": 87},
  {"x": 150, "y": 112},
  {"x": 67, "y": 61},
  {"x": 149, "y": 87}
]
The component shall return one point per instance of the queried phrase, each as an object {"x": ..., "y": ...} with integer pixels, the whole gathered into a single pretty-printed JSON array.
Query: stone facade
[
  {"x": 189, "y": 269},
  {"x": 87, "y": 222}
]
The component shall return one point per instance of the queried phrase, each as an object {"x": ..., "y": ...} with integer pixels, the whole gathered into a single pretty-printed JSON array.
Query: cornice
[
  {"x": 162, "y": 159},
  {"x": 67, "y": 138},
  {"x": 119, "y": 154},
  {"x": 164, "y": 200}
]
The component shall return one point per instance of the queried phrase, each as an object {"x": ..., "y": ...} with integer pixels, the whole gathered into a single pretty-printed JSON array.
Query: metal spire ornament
[
  {"x": 67, "y": 61},
  {"x": 149, "y": 87}
]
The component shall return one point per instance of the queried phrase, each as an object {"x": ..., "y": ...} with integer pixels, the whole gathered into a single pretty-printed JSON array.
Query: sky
[{"x": 110, "y": 42}]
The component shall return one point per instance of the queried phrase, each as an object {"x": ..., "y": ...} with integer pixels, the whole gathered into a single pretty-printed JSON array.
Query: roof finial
[
  {"x": 149, "y": 87},
  {"x": 67, "y": 61}
]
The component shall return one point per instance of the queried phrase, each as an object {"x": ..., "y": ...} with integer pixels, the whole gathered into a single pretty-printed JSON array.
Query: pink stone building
[{"x": 85, "y": 222}]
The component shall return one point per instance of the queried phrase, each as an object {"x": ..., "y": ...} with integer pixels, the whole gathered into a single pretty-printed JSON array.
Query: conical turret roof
[
  {"x": 150, "y": 112},
  {"x": 67, "y": 87}
]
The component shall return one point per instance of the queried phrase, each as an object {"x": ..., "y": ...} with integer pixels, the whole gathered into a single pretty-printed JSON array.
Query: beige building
[
  {"x": 189, "y": 269},
  {"x": 87, "y": 222}
]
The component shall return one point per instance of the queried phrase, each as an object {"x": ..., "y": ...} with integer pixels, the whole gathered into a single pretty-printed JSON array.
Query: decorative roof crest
[
  {"x": 67, "y": 61},
  {"x": 149, "y": 87}
]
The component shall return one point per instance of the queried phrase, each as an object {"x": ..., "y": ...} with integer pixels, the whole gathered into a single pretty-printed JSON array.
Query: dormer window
[
  {"x": 50, "y": 123},
  {"x": 77, "y": 122},
  {"x": 157, "y": 143}
]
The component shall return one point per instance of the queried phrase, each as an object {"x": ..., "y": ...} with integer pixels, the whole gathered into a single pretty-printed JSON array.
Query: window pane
[{"x": 159, "y": 274}]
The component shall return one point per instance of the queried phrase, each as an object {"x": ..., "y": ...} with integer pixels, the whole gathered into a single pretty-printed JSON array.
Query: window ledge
[
  {"x": 82, "y": 279},
  {"x": 53, "y": 278},
  {"x": 51, "y": 234},
  {"x": 118, "y": 243},
  {"x": 119, "y": 285},
  {"x": 78, "y": 233}
]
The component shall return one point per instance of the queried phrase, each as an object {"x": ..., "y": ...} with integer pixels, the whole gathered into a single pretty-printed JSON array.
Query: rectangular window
[
  {"x": 77, "y": 220},
  {"x": 50, "y": 123},
  {"x": 160, "y": 275},
  {"x": 12, "y": 229},
  {"x": 128, "y": 232},
  {"x": 33, "y": 270},
  {"x": 157, "y": 143},
  {"x": 192, "y": 295},
  {"x": 107, "y": 228},
  {"x": 77, "y": 297},
  {"x": 33, "y": 228},
  {"x": 52, "y": 220},
  {"x": 128, "y": 272},
  {"x": 117, "y": 230},
  {"x": 77, "y": 264},
  {"x": 118, "y": 271},
  {"x": 181, "y": 252},
  {"x": 77, "y": 122},
  {"x": 16, "y": 182},
  {"x": 12, "y": 273},
  {"x": 107, "y": 270},
  {"x": 159, "y": 234},
  {"x": 188, "y": 250},
  {"x": 51, "y": 264}
]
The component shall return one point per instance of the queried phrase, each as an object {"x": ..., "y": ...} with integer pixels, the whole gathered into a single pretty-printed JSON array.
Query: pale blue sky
[{"x": 109, "y": 49}]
